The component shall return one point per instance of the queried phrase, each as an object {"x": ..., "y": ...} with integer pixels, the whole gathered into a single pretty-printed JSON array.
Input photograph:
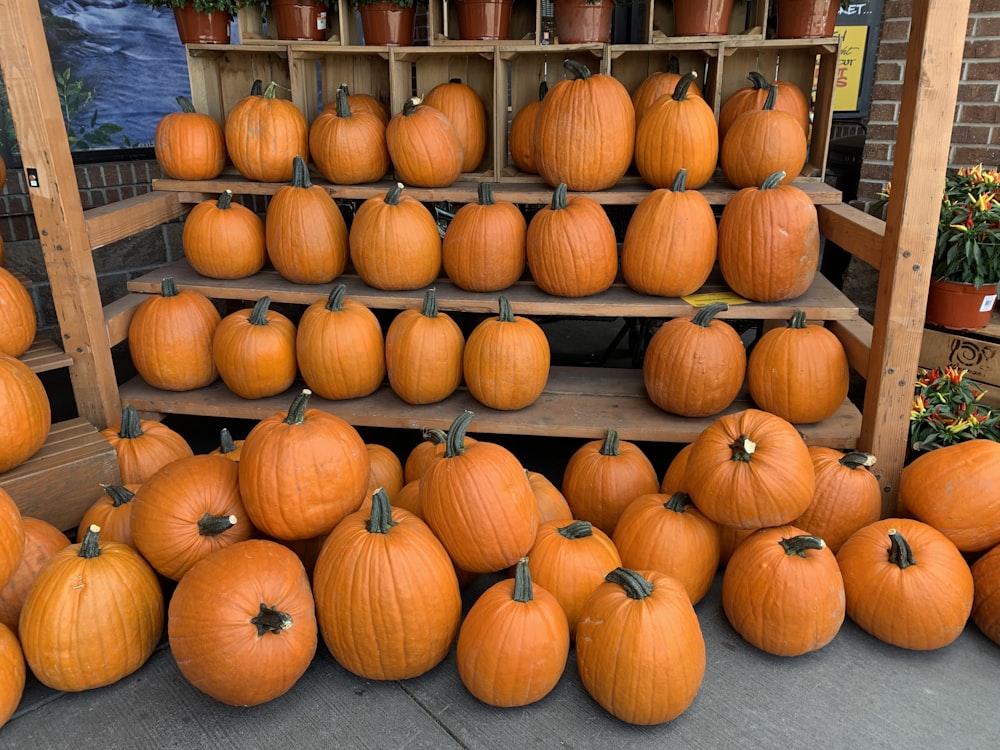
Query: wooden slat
[
  {"x": 823, "y": 301},
  {"x": 44, "y": 355},
  {"x": 856, "y": 336},
  {"x": 118, "y": 315},
  {"x": 64, "y": 478},
  {"x": 577, "y": 402},
  {"x": 116, "y": 221},
  {"x": 854, "y": 230}
]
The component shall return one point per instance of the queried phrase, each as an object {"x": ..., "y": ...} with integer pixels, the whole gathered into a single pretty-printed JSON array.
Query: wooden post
[
  {"x": 55, "y": 200},
  {"x": 930, "y": 90}
]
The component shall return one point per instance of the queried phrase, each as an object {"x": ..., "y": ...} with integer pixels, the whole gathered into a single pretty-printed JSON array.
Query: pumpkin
[
  {"x": 506, "y": 361},
  {"x": 677, "y": 132},
  {"x": 571, "y": 246},
  {"x": 432, "y": 443},
  {"x": 41, "y": 541},
  {"x": 584, "y": 114},
  {"x": 603, "y": 476},
  {"x": 11, "y": 537},
  {"x": 986, "y": 597},
  {"x": 783, "y": 592},
  {"x": 302, "y": 472},
  {"x": 387, "y": 596},
  {"x": 669, "y": 534},
  {"x": 570, "y": 559},
  {"x": 339, "y": 347},
  {"x": 847, "y": 496},
  {"x": 423, "y": 353},
  {"x": 460, "y": 103},
  {"x": 112, "y": 511},
  {"x": 639, "y": 647},
  {"x": 730, "y": 537},
  {"x": 170, "y": 339},
  {"x": 241, "y": 623},
  {"x": 264, "y": 134},
  {"x": 906, "y": 584},
  {"x": 514, "y": 642},
  {"x": 799, "y": 372},
  {"x": 670, "y": 241},
  {"x": 521, "y": 136},
  {"x": 395, "y": 242},
  {"x": 673, "y": 478},
  {"x": 82, "y": 637},
  {"x": 17, "y": 311},
  {"x": 305, "y": 232},
  {"x": 762, "y": 142},
  {"x": 386, "y": 470},
  {"x": 552, "y": 505},
  {"x": 143, "y": 446},
  {"x": 657, "y": 84},
  {"x": 954, "y": 490},
  {"x": 360, "y": 102},
  {"x": 788, "y": 98},
  {"x": 478, "y": 501},
  {"x": 186, "y": 511},
  {"x": 254, "y": 350},
  {"x": 694, "y": 366},
  {"x": 750, "y": 469},
  {"x": 484, "y": 245},
  {"x": 228, "y": 447},
  {"x": 224, "y": 240},
  {"x": 408, "y": 498},
  {"x": 348, "y": 146},
  {"x": 25, "y": 413},
  {"x": 188, "y": 145},
  {"x": 13, "y": 669},
  {"x": 769, "y": 241},
  {"x": 424, "y": 146}
]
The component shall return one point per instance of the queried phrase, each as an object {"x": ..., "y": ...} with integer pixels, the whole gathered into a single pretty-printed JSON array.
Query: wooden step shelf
[{"x": 45, "y": 355}]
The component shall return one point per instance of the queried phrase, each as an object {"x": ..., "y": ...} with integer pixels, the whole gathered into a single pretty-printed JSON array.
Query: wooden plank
[
  {"x": 44, "y": 355},
  {"x": 577, "y": 402},
  {"x": 823, "y": 301},
  {"x": 859, "y": 233},
  {"x": 119, "y": 314},
  {"x": 930, "y": 90},
  {"x": 856, "y": 336},
  {"x": 116, "y": 221},
  {"x": 64, "y": 478}
]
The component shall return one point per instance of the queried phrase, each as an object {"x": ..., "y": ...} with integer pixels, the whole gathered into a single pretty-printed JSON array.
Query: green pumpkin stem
[
  {"x": 429, "y": 309},
  {"x": 678, "y": 502},
  {"x": 119, "y": 494},
  {"x": 743, "y": 448},
  {"x": 611, "y": 443},
  {"x": 523, "y": 590},
  {"x": 226, "y": 442},
  {"x": 576, "y": 530},
  {"x": 90, "y": 547},
  {"x": 185, "y": 104},
  {"x": 506, "y": 313},
  {"x": 343, "y": 108},
  {"x": 772, "y": 97},
  {"x": 680, "y": 181},
  {"x": 635, "y": 585},
  {"x": 674, "y": 65},
  {"x": 543, "y": 89},
  {"x": 271, "y": 91},
  {"x": 269, "y": 620},
  {"x": 168, "y": 287},
  {"x": 297, "y": 411},
  {"x": 131, "y": 424},
  {"x": 485, "y": 194},
  {"x": 258, "y": 316},
  {"x": 857, "y": 460},
  {"x": 577, "y": 69},
  {"x": 410, "y": 106},
  {"x": 209, "y": 525},
  {"x": 455, "y": 443},
  {"x": 798, "y": 545},
  {"x": 335, "y": 300},
  {"x": 393, "y": 193},
  {"x": 899, "y": 550},
  {"x": 559, "y": 197},
  {"x": 772, "y": 180},
  {"x": 434, "y": 435},
  {"x": 380, "y": 520},
  {"x": 300, "y": 173},
  {"x": 798, "y": 319},
  {"x": 225, "y": 200},
  {"x": 683, "y": 85},
  {"x": 757, "y": 81},
  {"x": 257, "y": 88},
  {"x": 706, "y": 314}
]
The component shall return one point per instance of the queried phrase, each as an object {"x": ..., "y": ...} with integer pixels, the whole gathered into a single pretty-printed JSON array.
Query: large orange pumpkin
[
  {"x": 386, "y": 472},
  {"x": 17, "y": 311},
  {"x": 41, "y": 541},
  {"x": 25, "y": 413},
  {"x": 13, "y": 668},
  {"x": 254, "y": 350},
  {"x": 360, "y": 102},
  {"x": 11, "y": 537},
  {"x": 986, "y": 599},
  {"x": 521, "y": 137},
  {"x": 188, "y": 145},
  {"x": 424, "y": 145},
  {"x": 348, "y": 145},
  {"x": 224, "y": 240},
  {"x": 462, "y": 106},
  {"x": 789, "y": 98},
  {"x": 552, "y": 505},
  {"x": 264, "y": 133},
  {"x": 143, "y": 446},
  {"x": 657, "y": 84}
]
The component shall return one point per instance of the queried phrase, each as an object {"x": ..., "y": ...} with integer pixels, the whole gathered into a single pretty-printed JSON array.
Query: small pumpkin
[
  {"x": 41, "y": 541},
  {"x": 424, "y": 146},
  {"x": 112, "y": 511},
  {"x": 552, "y": 505},
  {"x": 264, "y": 134},
  {"x": 13, "y": 668},
  {"x": 986, "y": 598},
  {"x": 188, "y": 145},
  {"x": 348, "y": 145},
  {"x": 432, "y": 445},
  {"x": 254, "y": 350},
  {"x": 464, "y": 108},
  {"x": 360, "y": 102},
  {"x": 386, "y": 471},
  {"x": 143, "y": 446},
  {"x": 17, "y": 311},
  {"x": 224, "y": 240},
  {"x": 521, "y": 136},
  {"x": 673, "y": 478}
]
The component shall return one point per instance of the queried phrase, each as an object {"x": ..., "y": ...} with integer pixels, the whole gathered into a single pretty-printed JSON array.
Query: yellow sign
[
  {"x": 701, "y": 300},
  {"x": 847, "y": 83}
]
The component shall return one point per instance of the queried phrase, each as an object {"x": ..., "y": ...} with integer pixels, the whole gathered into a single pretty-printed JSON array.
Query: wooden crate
[
  {"x": 632, "y": 64},
  {"x": 975, "y": 351},
  {"x": 222, "y": 74},
  {"x": 442, "y": 23},
  {"x": 255, "y": 25},
  {"x": 748, "y": 21},
  {"x": 317, "y": 70}
]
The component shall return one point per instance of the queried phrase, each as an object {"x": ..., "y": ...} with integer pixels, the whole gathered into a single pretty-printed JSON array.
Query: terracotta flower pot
[
  {"x": 195, "y": 27},
  {"x": 806, "y": 19},
  {"x": 484, "y": 19},
  {"x": 385, "y": 24},
  {"x": 579, "y": 22},
  {"x": 959, "y": 306},
  {"x": 702, "y": 17},
  {"x": 300, "y": 20}
]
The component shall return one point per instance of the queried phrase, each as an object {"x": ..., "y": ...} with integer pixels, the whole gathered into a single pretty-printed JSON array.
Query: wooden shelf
[
  {"x": 577, "y": 402},
  {"x": 45, "y": 355}
]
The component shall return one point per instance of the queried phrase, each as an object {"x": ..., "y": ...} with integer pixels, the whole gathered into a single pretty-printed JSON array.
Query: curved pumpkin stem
[
  {"x": 681, "y": 89},
  {"x": 680, "y": 181},
  {"x": 485, "y": 194},
  {"x": 343, "y": 108},
  {"x": 576, "y": 530},
  {"x": 297, "y": 411},
  {"x": 743, "y": 448},
  {"x": 393, "y": 194},
  {"x": 131, "y": 424},
  {"x": 258, "y": 316},
  {"x": 899, "y": 550},
  {"x": 705, "y": 315},
  {"x": 757, "y": 81},
  {"x": 271, "y": 91},
  {"x": 90, "y": 546},
  {"x": 506, "y": 313},
  {"x": 257, "y": 88},
  {"x": 335, "y": 300},
  {"x": 635, "y": 585},
  {"x": 380, "y": 520},
  {"x": 119, "y": 494},
  {"x": 798, "y": 319},
  {"x": 559, "y": 197},
  {"x": 455, "y": 444},
  {"x": 429, "y": 309},
  {"x": 773, "y": 180},
  {"x": 523, "y": 590},
  {"x": 270, "y": 620},
  {"x": 674, "y": 65},
  {"x": 225, "y": 200},
  {"x": 772, "y": 97},
  {"x": 209, "y": 525},
  {"x": 226, "y": 442},
  {"x": 410, "y": 105},
  {"x": 543, "y": 89},
  {"x": 168, "y": 287},
  {"x": 611, "y": 443},
  {"x": 434, "y": 435},
  {"x": 797, "y": 545},
  {"x": 678, "y": 502},
  {"x": 185, "y": 104},
  {"x": 577, "y": 69},
  {"x": 300, "y": 173},
  {"x": 857, "y": 460}
]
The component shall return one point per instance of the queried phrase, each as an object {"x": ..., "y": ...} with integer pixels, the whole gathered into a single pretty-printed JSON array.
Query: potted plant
[
  {"x": 300, "y": 20},
  {"x": 585, "y": 21},
  {"x": 947, "y": 410},
  {"x": 387, "y": 22},
  {"x": 809, "y": 19},
  {"x": 202, "y": 21},
  {"x": 481, "y": 20}
]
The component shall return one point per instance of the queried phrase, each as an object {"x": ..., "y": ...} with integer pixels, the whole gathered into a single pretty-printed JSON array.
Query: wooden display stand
[{"x": 885, "y": 354}]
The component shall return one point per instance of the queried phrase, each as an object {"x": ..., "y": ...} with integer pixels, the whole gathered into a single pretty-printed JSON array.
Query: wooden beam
[
  {"x": 930, "y": 90},
  {"x": 55, "y": 200},
  {"x": 854, "y": 230},
  {"x": 116, "y": 221}
]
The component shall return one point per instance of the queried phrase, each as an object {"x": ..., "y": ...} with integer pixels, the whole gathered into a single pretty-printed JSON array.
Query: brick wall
[{"x": 975, "y": 135}]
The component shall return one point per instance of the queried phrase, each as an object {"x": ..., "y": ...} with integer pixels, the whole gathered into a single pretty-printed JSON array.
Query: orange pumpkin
[
  {"x": 11, "y": 536},
  {"x": 25, "y": 413},
  {"x": 348, "y": 145},
  {"x": 360, "y": 102},
  {"x": 657, "y": 84},
  {"x": 264, "y": 134},
  {"x": 112, "y": 511},
  {"x": 462, "y": 106},
  {"x": 673, "y": 478},
  {"x": 431, "y": 445},
  {"x": 13, "y": 668},
  {"x": 424, "y": 145},
  {"x": 227, "y": 446},
  {"x": 41, "y": 541},
  {"x": 224, "y": 240},
  {"x": 788, "y": 98},
  {"x": 386, "y": 470},
  {"x": 986, "y": 599},
  {"x": 521, "y": 137},
  {"x": 188, "y": 145},
  {"x": 17, "y": 311},
  {"x": 552, "y": 505},
  {"x": 254, "y": 350},
  {"x": 143, "y": 446},
  {"x": 408, "y": 498}
]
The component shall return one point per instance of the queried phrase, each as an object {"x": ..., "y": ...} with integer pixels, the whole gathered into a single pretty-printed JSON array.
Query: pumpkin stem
[
  {"x": 343, "y": 87},
  {"x": 209, "y": 525},
  {"x": 678, "y": 502},
  {"x": 681, "y": 89},
  {"x": 576, "y": 69},
  {"x": 226, "y": 442},
  {"x": 380, "y": 520},
  {"x": 506, "y": 313},
  {"x": 798, "y": 319},
  {"x": 772, "y": 97},
  {"x": 576, "y": 530},
  {"x": 757, "y": 81},
  {"x": 772, "y": 180},
  {"x": 523, "y": 590},
  {"x": 543, "y": 89},
  {"x": 297, "y": 411},
  {"x": 258, "y": 316},
  {"x": 119, "y": 494},
  {"x": 857, "y": 460},
  {"x": 559, "y": 197},
  {"x": 343, "y": 108},
  {"x": 410, "y": 105},
  {"x": 899, "y": 550},
  {"x": 168, "y": 287},
  {"x": 270, "y": 620},
  {"x": 393, "y": 193},
  {"x": 635, "y": 585},
  {"x": 90, "y": 546},
  {"x": 485, "y": 194},
  {"x": 705, "y": 315},
  {"x": 429, "y": 309},
  {"x": 674, "y": 65},
  {"x": 225, "y": 200},
  {"x": 611, "y": 443},
  {"x": 300, "y": 173},
  {"x": 680, "y": 181},
  {"x": 257, "y": 88},
  {"x": 131, "y": 425},
  {"x": 434, "y": 435},
  {"x": 185, "y": 104},
  {"x": 271, "y": 91},
  {"x": 335, "y": 300},
  {"x": 455, "y": 443},
  {"x": 743, "y": 448},
  {"x": 797, "y": 545}
]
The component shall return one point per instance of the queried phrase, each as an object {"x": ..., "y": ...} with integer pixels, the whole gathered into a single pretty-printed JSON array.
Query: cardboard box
[{"x": 975, "y": 351}]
